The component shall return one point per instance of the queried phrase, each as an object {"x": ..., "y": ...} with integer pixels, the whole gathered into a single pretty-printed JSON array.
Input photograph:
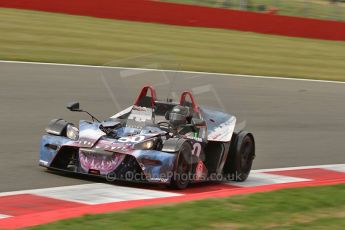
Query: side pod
[{"x": 173, "y": 145}]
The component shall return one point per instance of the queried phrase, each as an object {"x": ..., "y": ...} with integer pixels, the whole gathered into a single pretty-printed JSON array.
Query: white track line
[
  {"x": 99, "y": 193},
  {"x": 95, "y": 193},
  {"x": 176, "y": 71},
  {"x": 4, "y": 216},
  {"x": 263, "y": 177},
  {"x": 333, "y": 167},
  {"x": 337, "y": 168},
  {"x": 260, "y": 179}
]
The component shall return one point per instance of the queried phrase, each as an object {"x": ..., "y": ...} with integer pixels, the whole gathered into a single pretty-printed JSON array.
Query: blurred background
[{"x": 323, "y": 9}]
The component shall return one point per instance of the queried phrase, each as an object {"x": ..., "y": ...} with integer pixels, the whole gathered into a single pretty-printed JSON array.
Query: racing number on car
[
  {"x": 131, "y": 139},
  {"x": 196, "y": 149}
]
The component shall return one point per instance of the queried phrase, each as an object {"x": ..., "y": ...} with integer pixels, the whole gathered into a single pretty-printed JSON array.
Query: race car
[{"x": 153, "y": 141}]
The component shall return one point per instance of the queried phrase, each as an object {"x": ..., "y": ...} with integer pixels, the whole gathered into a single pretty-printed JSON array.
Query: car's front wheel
[{"x": 183, "y": 167}]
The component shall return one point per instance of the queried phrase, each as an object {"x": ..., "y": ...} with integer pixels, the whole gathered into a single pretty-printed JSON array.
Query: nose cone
[{"x": 102, "y": 161}]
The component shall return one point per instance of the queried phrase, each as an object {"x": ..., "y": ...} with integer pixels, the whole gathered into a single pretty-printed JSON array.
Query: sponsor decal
[
  {"x": 131, "y": 139},
  {"x": 196, "y": 149}
]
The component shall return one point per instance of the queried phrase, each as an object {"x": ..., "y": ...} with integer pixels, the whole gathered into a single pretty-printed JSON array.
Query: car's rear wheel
[
  {"x": 183, "y": 167},
  {"x": 242, "y": 154}
]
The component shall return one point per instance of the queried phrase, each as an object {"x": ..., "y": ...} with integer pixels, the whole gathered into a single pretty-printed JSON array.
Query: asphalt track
[{"x": 295, "y": 122}]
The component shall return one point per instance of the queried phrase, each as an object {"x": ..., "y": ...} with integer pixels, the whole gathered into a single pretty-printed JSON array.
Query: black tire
[
  {"x": 183, "y": 167},
  {"x": 242, "y": 154}
]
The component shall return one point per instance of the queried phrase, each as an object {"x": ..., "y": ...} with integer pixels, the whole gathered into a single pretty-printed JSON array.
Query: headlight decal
[
  {"x": 72, "y": 132},
  {"x": 145, "y": 145}
]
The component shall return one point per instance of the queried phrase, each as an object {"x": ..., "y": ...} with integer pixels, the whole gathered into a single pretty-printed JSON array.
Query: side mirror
[
  {"x": 73, "y": 106},
  {"x": 199, "y": 123}
]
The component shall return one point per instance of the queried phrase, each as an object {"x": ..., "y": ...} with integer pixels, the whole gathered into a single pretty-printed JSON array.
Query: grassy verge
[
  {"x": 302, "y": 208},
  {"x": 47, "y": 37},
  {"x": 322, "y": 9}
]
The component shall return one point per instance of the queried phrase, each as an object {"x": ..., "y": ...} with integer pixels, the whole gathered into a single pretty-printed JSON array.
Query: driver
[{"x": 179, "y": 117}]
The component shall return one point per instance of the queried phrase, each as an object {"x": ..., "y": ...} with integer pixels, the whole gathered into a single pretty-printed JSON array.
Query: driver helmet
[{"x": 178, "y": 115}]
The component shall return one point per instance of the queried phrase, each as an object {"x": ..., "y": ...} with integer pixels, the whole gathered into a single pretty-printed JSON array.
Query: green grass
[
  {"x": 322, "y": 9},
  {"x": 302, "y": 208},
  {"x": 48, "y": 37}
]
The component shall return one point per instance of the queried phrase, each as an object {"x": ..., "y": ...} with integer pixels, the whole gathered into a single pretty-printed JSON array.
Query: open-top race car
[{"x": 173, "y": 143}]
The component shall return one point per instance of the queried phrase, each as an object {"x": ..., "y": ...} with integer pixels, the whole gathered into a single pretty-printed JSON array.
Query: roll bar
[
  {"x": 183, "y": 99},
  {"x": 143, "y": 93}
]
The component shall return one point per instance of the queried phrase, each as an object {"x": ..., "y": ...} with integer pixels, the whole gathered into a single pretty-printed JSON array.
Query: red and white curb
[{"x": 38, "y": 206}]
